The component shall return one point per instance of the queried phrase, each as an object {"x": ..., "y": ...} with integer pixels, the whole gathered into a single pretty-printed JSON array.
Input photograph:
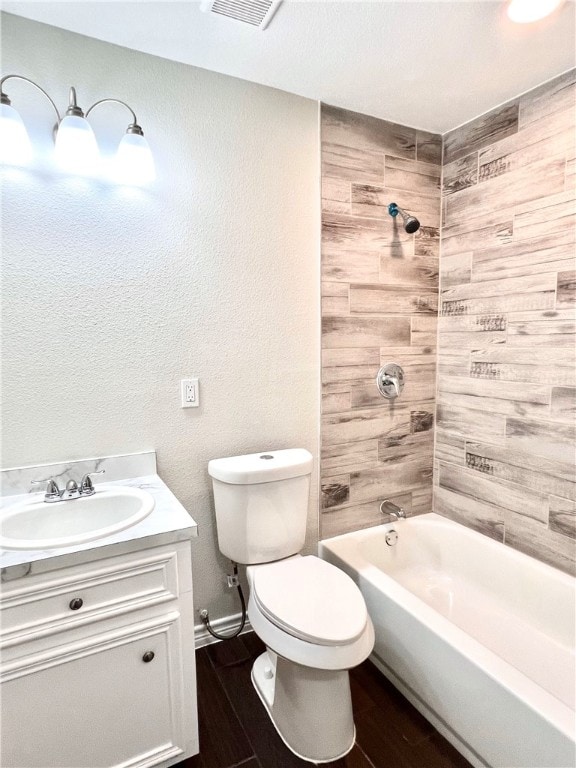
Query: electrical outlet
[{"x": 189, "y": 393}]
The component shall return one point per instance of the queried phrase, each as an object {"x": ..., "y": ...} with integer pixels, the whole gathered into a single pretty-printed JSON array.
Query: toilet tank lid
[{"x": 262, "y": 467}]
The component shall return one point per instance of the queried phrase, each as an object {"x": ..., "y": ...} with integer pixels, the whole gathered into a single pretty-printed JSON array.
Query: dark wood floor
[{"x": 235, "y": 729}]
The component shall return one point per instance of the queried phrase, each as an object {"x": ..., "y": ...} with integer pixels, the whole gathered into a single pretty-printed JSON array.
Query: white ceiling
[{"x": 431, "y": 65}]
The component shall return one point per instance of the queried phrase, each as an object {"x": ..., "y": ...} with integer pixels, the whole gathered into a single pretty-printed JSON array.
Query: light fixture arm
[
  {"x": 133, "y": 127},
  {"x": 5, "y": 100}
]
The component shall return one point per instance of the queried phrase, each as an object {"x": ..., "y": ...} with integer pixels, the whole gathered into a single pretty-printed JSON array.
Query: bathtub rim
[{"x": 345, "y": 548}]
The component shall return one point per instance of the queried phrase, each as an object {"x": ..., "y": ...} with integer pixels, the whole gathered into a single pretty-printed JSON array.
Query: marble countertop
[{"x": 168, "y": 522}]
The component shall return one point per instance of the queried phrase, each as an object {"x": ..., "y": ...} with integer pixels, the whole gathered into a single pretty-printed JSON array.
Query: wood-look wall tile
[
  {"x": 340, "y": 126},
  {"x": 350, "y": 265},
  {"x": 336, "y": 195},
  {"x": 563, "y": 403},
  {"x": 547, "y": 476},
  {"x": 507, "y": 334},
  {"x": 453, "y": 362},
  {"x": 466, "y": 236},
  {"x": 336, "y": 402},
  {"x": 364, "y": 424},
  {"x": 365, "y": 331},
  {"x": 570, "y": 180},
  {"x": 526, "y": 183},
  {"x": 455, "y": 269},
  {"x": 359, "y": 516},
  {"x": 479, "y": 133},
  {"x": 429, "y": 147},
  {"x": 549, "y": 439},
  {"x": 539, "y": 283},
  {"x": 392, "y": 300},
  {"x": 417, "y": 272},
  {"x": 525, "y": 257},
  {"x": 450, "y": 447},
  {"x": 424, "y": 330},
  {"x": 503, "y": 397},
  {"x": 566, "y": 291},
  {"x": 496, "y": 304},
  {"x": 348, "y": 164},
  {"x": 345, "y": 356},
  {"x": 562, "y": 516},
  {"x": 549, "y": 366},
  {"x": 335, "y": 298},
  {"x": 392, "y": 479},
  {"x": 349, "y": 373},
  {"x": 556, "y": 328},
  {"x": 355, "y": 232},
  {"x": 427, "y": 242},
  {"x": 478, "y": 515},
  {"x": 523, "y": 155},
  {"x": 335, "y": 490},
  {"x": 349, "y": 457},
  {"x": 537, "y": 540},
  {"x": 395, "y": 448},
  {"x": 501, "y": 493},
  {"x": 423, "y": 178},
  {"x": 372, "y": 200},
  {"x": 460, "y": 174},
  {"x": 551, "y": 97},
  {"x": 478, "y": 325},
  {"x": 422, "y": 500},
  {"x": 471, "y": 423},
  {"x": 544, "y": 129}
]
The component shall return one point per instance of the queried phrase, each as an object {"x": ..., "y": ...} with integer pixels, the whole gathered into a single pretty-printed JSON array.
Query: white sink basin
[{"x": 35, "y": 524}]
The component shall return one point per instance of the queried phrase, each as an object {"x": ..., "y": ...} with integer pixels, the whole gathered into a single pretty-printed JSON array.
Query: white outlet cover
[{"x": 189, "y": 393}]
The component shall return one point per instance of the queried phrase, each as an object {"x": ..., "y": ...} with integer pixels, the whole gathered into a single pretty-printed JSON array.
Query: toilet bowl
[
  {"x": 310, "y": 615},
  {"x": 313, "y": 620}
]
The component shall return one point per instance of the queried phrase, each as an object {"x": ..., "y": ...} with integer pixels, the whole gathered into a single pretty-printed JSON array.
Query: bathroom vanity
[{"x": 97, "y": 644}]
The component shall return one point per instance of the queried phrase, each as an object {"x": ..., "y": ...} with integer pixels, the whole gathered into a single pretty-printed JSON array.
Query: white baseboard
[{"x": 225, "y": 625}]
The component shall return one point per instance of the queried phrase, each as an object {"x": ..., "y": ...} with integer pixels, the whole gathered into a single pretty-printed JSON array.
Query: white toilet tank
[{"x": 261, "y": 502}]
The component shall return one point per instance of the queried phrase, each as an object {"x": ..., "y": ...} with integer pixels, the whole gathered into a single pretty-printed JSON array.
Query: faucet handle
[
  {"x": 390, "y": 380},
  {"x": 86, "y": 485},
  {"x": 52, "y": 492}
]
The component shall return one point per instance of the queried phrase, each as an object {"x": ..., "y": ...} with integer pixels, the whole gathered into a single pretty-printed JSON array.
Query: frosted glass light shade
[
  {"x": 134, "y": 163},
  {"x": 76, "y": 150},
  {"x": 15, "y": 146},
  {"x": 526, "y": 11}
]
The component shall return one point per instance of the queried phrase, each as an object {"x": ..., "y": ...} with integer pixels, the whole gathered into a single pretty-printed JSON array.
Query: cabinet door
[{"x": 98, "y": 703}]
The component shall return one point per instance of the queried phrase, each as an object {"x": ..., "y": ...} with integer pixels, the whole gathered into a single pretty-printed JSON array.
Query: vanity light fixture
[
  {"x": 527, "y": 11},
  {"x": 76, "y": 150}
]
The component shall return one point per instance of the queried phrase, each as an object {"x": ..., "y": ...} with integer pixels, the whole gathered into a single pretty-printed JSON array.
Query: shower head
[{"x": 411, "y": 223}]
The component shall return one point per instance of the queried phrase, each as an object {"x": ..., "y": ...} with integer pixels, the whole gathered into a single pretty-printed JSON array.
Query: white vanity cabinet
[{"x": 98, "y": 667}]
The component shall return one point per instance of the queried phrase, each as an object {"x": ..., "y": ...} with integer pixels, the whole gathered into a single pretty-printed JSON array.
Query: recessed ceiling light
[{"x": 526, "y": 11}]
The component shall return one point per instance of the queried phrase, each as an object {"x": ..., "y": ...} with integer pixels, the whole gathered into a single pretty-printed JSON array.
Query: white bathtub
[{"x": 477, "y": 635}]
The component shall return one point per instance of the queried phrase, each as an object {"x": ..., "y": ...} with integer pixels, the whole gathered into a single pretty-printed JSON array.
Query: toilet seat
[
  {"x": 280, "y": 636},
  {"x": 311, "y": 600}
]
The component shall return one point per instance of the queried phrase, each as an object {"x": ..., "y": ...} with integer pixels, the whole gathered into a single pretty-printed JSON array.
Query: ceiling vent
[{"x": 257, "y": 13}]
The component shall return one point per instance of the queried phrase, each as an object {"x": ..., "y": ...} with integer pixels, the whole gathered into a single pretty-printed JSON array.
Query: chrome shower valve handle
[{"x": 390, "y": 380}]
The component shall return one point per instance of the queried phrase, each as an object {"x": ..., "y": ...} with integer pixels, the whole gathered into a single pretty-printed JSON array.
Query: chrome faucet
[
  {"x": 72, "y": 489},
  {"x": 389, "y": 508}
]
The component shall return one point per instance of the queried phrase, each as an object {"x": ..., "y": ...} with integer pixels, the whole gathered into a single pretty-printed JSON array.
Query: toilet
[{"x": 310, "y": 615}]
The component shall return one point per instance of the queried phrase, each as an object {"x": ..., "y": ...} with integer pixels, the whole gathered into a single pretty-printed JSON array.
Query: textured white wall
[{"x": 111, "y": 296}]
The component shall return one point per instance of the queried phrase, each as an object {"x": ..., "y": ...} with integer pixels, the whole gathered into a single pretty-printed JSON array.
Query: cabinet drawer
[{"x": 52, "y": 602}]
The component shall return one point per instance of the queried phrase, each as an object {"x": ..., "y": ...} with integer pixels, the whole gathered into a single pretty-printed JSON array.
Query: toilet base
[{"x": 310, "y": 708}]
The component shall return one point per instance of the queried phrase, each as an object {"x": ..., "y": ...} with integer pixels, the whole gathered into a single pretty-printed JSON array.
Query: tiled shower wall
[
  {"x": 379, "y": 304},
  {"x": 505, "y": 434}
]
